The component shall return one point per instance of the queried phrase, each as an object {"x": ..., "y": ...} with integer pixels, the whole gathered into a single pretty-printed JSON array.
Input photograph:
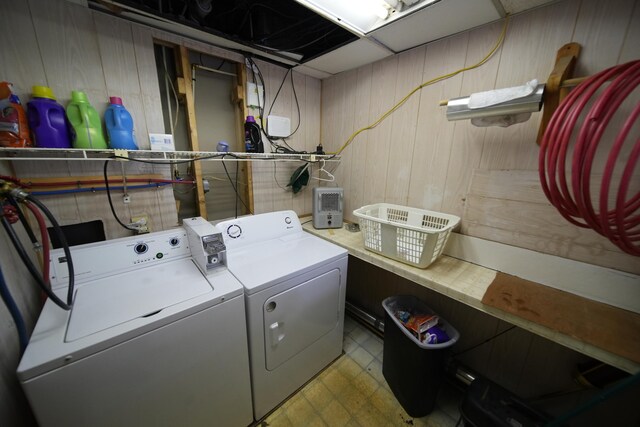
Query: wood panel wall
[
  {"x": 270, "y": 179},
  {"x": 418, "y": 158},
  {"x": 68, "y": 47}
]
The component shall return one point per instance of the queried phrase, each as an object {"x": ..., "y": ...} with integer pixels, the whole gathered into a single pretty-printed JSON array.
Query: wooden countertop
[{"x": 468, "y": 283}]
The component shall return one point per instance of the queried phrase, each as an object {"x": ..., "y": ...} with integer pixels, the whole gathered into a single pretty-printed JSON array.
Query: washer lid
[{"x": 118, "y": 299}]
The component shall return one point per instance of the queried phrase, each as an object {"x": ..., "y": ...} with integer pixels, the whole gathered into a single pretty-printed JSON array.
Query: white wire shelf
[{"x": 74, "y": 154}]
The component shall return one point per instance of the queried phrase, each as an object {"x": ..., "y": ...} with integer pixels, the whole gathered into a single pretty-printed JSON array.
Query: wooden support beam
[
  {"x": 239, "y": 97},
  {"x": 554, "y": 92},
  {"x": 184, "y": 71}
]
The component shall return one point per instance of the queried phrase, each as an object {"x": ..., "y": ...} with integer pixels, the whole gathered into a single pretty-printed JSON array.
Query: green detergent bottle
[{"x": 85, "y": 122}]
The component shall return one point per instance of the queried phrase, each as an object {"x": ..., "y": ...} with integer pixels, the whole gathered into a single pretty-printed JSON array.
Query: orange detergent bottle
[{"x": 14, "y": 131}]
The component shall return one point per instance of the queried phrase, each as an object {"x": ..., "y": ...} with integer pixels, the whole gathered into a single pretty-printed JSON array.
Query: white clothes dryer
[
  {"x": 150, "y": 340},
  {"x": 294, "y": 286}
]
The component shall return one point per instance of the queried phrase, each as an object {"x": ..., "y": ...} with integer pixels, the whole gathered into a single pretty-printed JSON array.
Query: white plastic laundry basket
[{"x": 413, "y": 236}]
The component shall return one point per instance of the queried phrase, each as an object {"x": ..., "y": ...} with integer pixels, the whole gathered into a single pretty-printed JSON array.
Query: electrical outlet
[
  {"x": 142, "y": 223},
  {"x": 126, "y": 199}
]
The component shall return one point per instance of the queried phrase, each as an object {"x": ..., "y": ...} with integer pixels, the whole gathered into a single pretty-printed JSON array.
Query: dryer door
[{"x": 298, "y": 317}]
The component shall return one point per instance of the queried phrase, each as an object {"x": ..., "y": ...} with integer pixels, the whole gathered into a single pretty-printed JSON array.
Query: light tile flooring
[{"x": 353, "y": 392}]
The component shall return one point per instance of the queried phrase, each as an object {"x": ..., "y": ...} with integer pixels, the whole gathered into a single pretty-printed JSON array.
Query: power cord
[{"x": 428, "y": 83}]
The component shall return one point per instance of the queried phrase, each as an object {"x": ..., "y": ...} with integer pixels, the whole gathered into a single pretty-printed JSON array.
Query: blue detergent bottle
[{"x": 119, "y": 125}]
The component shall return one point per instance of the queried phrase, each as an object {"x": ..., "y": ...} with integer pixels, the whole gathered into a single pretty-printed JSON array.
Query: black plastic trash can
[{"x": 413, "y": 370}]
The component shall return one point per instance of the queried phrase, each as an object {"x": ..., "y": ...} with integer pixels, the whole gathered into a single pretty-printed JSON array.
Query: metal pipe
[{"x": 364, "y": 316}]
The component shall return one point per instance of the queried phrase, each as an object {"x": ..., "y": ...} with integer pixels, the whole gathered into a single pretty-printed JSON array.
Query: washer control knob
[
  {"x": 141, "y": 248},
  {"x": 174, "y": 241},
  {"x": 287, "y": 220},
  {"x": 234, "y": 231}
]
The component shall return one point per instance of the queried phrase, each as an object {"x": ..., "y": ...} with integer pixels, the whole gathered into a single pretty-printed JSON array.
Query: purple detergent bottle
[{"x": 47, "y": 120}]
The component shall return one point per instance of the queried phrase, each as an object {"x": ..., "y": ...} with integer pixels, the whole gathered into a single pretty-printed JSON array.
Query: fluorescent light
[{"x": 362, "y": 16}]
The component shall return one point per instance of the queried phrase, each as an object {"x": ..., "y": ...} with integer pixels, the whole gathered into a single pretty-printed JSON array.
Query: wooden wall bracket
[{"x": 556, "y": 87}]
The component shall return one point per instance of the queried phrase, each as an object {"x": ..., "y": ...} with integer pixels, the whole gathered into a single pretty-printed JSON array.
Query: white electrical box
[
  {"x": 254, "y": 95},
  {"x": 278, "y": 126}
]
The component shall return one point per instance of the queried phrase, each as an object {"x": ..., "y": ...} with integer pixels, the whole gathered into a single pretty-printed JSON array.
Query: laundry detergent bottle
[
  {"x": 119, "y": 125},
  {"x": 85, "y": 122},
  {"x": 14, "y": 131},
  {"x": 47, "y": 120},
  {"x": 252, "y": 136}
]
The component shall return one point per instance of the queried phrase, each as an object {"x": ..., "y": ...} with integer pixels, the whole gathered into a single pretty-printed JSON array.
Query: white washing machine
[
  {"x": 150, "y": 340},
  {"x": 294, "y": 286}
]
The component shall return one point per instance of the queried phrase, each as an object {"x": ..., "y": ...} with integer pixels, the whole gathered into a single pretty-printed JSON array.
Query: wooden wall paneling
[
  {"x": 282, "y": 106},
  {"x": 380, "y": 140},
  {"x": 529, "y": 52},
  {"x": 331, "y": 108},
  {"x": 434, "y": 134},
  {"x": 355, "y": 192},
  {"x": 167, "y": 205},
  {"x": 313, "y": 94},
  {"x": 509, "y": 207},
  {"x": 601, "y": 29},
  {"x": 311, "y": 135},
  {"x": 299, "y": 139},
  {"x": 631, "y": 46},
  {"x": 263, "y": 186},
  {"x": 343, "y": 171},
  {"x": 64, "y": 207},
  {"x": 19, "y": 62},
  {"x": 117, "y": 53},
  {"x": 69, "y": 49},
  {"x": 149, "y": 84},
  {"x": 403, "y": 126},
  {"x": 341, "y": 109},
  {"x": 468, "y": 140}
]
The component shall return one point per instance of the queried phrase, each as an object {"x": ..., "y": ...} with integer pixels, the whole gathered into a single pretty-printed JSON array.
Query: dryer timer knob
[{"x": 234, "y": 231}]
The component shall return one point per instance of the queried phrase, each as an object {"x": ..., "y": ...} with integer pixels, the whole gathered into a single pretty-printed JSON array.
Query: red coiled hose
[{"x": 621, "y": 224}]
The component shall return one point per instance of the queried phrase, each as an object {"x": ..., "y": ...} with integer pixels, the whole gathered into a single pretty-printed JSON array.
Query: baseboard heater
[{"x": 363, "y": 316}]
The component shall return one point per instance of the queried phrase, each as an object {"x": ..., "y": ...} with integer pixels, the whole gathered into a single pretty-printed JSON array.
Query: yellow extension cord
[{"x": 427, "y": 83}]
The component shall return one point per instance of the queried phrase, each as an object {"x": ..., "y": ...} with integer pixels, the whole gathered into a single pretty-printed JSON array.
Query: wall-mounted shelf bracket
[{"x": 558, "y": 83}]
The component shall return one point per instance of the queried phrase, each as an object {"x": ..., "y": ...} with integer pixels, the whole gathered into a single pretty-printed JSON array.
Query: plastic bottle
[
  {"x": 85, "y": 123},
  {"x": 47, "y": 120},
  {"x": 14, "y": 131},
  {"x": 119, "y": 125},
  {"x": 252, "y": 136}
]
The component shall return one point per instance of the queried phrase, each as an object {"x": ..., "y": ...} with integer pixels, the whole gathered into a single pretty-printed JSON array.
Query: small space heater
[{"x": 327, "y": 207}]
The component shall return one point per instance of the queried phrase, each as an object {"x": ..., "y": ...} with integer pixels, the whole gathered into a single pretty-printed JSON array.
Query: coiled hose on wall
[{"x": 567, "y": 185}]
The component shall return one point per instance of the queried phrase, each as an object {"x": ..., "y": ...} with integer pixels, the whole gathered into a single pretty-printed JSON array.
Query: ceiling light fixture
[{"x": 364, "y": 16}]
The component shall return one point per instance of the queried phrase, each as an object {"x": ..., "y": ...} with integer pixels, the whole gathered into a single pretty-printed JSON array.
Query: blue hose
[
  {"x": 94, "y": 189},
  {"x": 15, "y": 313}
]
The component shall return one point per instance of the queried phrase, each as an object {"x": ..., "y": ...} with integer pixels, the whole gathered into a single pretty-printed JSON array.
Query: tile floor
[{"x": 353, "y": 392}]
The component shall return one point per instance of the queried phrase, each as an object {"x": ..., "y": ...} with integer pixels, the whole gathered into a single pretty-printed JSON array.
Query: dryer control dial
[
  {"x": 141, "y": 248},
  {"x": 234, "y": 231}
]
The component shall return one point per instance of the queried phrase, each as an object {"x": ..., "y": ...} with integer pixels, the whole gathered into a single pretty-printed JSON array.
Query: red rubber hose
[{"x": 571, "y": 195}]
